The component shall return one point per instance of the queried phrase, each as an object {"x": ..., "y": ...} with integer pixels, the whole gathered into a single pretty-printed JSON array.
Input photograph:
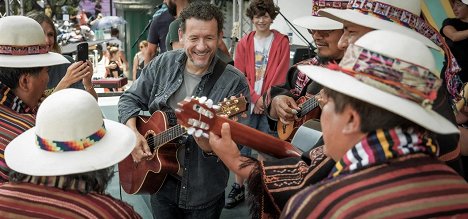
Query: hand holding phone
[{"x": 82, "y": 52}]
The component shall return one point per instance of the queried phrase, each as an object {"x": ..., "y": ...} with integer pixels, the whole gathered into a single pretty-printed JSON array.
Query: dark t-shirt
[
  {"x": 173, "y": 34},
  {"x": 460, "y": 48},
  {"x": 158, "y": 30}
]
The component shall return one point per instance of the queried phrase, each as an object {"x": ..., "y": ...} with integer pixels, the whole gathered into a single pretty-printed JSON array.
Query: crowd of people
[{"x": 394, "y": 125}]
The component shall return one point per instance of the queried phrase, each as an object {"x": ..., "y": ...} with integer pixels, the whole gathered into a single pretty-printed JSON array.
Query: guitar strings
[{"x": 174, "y": 132}]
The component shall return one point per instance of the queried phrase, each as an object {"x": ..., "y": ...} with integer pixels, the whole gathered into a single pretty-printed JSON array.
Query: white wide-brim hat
[
  {"x": 23, "y": 44},
  {"x": 318, "y": 23},
  {"x": 68, "y": 115},
  {"x": 351, "y": 86},
  {"x": 374, "y": 22},
  {"x": 465, "y": 1}
]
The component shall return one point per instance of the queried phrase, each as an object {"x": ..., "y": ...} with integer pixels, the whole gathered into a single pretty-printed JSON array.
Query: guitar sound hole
[{"x": 151, "y": 140}]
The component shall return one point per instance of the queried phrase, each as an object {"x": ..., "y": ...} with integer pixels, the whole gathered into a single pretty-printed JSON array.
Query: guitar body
[
  {"x": 286, "y": 131},
  {"x": 147, "y": 176}
]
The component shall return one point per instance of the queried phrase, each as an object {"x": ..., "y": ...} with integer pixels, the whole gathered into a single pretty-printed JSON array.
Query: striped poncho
[
  {"x": 389, "y": 174},
  {"x": 27, "y": 200},
  {"x": 15, "y": 118}
]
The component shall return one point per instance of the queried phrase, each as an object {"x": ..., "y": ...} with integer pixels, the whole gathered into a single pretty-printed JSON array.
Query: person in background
[
  {"x": 74, "y": 75},
  {"x": 197, "y": 191},
  {"x": 116, "y": 42},
  {"x": 23, "y": 78},
  {"x": 158, "y": 32},
  {"x": 114, "y": 66},
  {"x": 82, "y": 17},
  {"x": 174, "y": 7},
  {"x": 455, "y": 31},
  {"x": 139, "y": 59},
  {"x": 263, "y": 56},
  {"x": 97, "y": 8},
  {"x": 61, "y": 167}
]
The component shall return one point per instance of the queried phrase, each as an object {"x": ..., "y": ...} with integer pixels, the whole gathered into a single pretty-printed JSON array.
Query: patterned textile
[
  {"x": 398, "y": 77},
  {"x": 413, "y": 186},
  {"x": 372, "y": 176},
  {"x": 382, "y": 145},
  {"x": 274, "y": 182},
  {"x": 15, "y": 118},
  {"x": 27, "y": 200},
  {"x": 415, "y": 22},
  {"x": 302, "y": 79}
]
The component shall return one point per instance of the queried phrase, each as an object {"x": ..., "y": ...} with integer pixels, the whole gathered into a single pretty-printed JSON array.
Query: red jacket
[{"x": 277, "y": 66}]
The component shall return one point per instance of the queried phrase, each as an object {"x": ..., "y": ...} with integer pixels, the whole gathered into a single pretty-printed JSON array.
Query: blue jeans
[
  {"x": 164, "y": 204},
  {"x": 259, "y": 122}
]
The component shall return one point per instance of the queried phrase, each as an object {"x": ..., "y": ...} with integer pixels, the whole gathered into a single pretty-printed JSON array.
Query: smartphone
[{"x": 82, "y": 52}]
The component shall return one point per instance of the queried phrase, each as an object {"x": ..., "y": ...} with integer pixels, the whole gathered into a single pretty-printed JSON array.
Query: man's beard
[{"x": 172, "y": 8}]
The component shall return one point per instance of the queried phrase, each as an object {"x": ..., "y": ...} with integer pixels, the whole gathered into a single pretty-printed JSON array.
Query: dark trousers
[{"x": 164, "y": 204}]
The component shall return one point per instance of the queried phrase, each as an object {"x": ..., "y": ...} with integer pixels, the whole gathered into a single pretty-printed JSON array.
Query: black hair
[
  {"x": 201, "y": 11},
  {"x": 261, "y": 7},
  {"x": 11, "y": 76}
]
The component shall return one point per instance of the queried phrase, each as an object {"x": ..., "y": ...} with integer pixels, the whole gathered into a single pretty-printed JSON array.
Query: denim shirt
[{"x": 204, "y": 178}]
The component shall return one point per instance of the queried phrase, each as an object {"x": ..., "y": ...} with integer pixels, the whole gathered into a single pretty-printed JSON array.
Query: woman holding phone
[{"x": 70, "y": 75}]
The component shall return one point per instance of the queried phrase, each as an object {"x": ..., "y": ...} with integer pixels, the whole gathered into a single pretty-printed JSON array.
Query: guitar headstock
[
  {"x": 197, "y": 114},
  {"x": 232, "y": 107}
]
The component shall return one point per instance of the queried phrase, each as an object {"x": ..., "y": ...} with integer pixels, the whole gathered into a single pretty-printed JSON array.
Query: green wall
[{"x": 137, "y": 19}]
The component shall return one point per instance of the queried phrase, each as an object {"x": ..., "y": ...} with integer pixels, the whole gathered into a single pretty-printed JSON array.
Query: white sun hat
[
  {"x": 401, "y": 16},
  {"x": 390, "y": 76},
  {"x": 465, "y": 1},
  {"x": 23, "y": 44},
  {"x": 316, "y": 22},
  {"x": 70, "y": 137}
]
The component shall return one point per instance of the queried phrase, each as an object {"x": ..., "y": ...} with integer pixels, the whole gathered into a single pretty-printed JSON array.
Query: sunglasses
[{"x": 323, "y": 33}]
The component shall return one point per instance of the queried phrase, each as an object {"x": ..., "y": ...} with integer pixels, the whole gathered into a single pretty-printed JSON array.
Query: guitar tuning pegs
[
  {"x": 205, "y": 135},
  {"x": 198, "y": 133},
  {"x": 216, "y": 107},
  {"x": 202, "y": 100},
  {"x": 209, "y": 103},
  {"x": 190, "y": 130}
]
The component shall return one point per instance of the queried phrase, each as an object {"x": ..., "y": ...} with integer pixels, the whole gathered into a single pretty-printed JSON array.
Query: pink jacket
[{"x": 278, "y": 61}]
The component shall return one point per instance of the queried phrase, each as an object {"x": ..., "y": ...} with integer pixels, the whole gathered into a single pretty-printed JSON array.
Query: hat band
[
  {"x": 322, "y": 4},
  {"x": 23, "y": 50},
  {"x": 397, "y": 15},
  {"x": 413, "y": 21},
  {"x": 395, "y": 76},
  {"x": 77, "y": 145}
]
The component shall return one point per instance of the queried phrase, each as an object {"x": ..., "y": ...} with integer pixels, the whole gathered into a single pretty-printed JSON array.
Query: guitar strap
[
  {"x": 218, "y": 69},
  {"x": 171, "y": 118}
]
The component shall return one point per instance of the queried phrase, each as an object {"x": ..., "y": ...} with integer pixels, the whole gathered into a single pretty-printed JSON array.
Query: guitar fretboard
[
  {"x": 165, "y": 136},
  {"x": 307, "y": 106}
]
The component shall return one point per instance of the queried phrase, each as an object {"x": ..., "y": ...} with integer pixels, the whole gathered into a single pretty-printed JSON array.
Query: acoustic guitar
[
  {"x": 309, "y": 110},
  {"x": 147, "y": 176},
  {"x": 202, "y": 119}
]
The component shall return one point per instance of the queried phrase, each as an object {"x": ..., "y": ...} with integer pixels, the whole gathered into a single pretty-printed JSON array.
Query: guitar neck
[
  {"x": 308, "y": 106},
  {"x": 167, "y": 136},
  {"x": 257, "y": 140}
]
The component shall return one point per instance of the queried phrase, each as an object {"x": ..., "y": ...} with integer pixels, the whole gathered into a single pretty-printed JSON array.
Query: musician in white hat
[
  {"x": 62, "y": 166},
  {"x": 24, "y": 60},
  {"x": 363, "y": 16}
]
